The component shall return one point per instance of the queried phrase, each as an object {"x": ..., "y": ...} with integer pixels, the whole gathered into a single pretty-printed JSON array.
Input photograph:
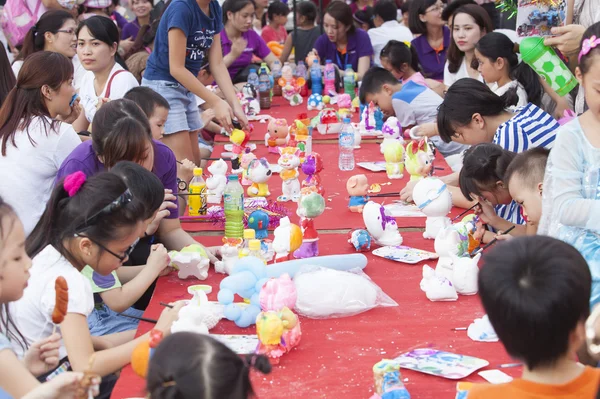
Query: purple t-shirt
[
  {"x": 432, "y": 62},
  {"x": 84, "y": 159},
  {"x": 256, "y": 45},
  {"x": 359, "y": 45},
  {"x": 130, "y": 30}
]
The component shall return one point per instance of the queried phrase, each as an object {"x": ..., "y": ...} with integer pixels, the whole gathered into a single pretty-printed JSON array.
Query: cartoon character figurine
[
  {"x": 229, "y": 255},
  {"x": 239, "y": 139},
  {"x": 310, "y": 206},
  {"x": 191, "y": 261},
  {"x": 367, "y": 119},
  {"x": 290, "y": 86},
  {"x": 250, "y": 102},
  {"x": 394, "y": 160},
  {"x": 289, "y": 162},
  {"x": 259, "y": 173},
  {"x": 288, "y": 238},
  {"x": 418, "y": 160},
  {"x": 454, "y": 241},
  {"x": 259, "y": 221},
  {"x": 215, "y": 185},
  {"x": 392, "y": 131},
  {"x": 434, "y": 199},
  {"x": 278, "y": 333},
  {"x": 358, "y": 188},
  {"x": 381, "y": 226},
  {"x": 311, "y": 167},
  {"x": 360, "y": 240},
  {"x": 245, "y": 160},
  {"x": 315, "y": 101},
  {"x": 277, "y": 135},
  {"x": 344, "y": 101},
  {"x": 299, "y": 130}
]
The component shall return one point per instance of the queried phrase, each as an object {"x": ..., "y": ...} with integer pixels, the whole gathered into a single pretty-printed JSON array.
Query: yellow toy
[
  {"x": 278, "y": 332},
  {"x": 418, "y": 161},
  {"x": 239, "y": 139},
  {"x": 394, "y": 159},
  {"x": 259, "y": 173}
]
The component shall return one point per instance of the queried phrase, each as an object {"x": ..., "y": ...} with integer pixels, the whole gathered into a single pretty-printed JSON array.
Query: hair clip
[
  {"x": 73, "y": 182},
  {"x": 407, "y": 44},
  {"x": 167, "y": 384},
  {"x": 587, "y": 45}
]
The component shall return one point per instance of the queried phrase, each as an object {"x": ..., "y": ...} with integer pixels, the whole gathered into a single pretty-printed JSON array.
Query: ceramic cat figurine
[
  {"x": 289, "y": 161},
  {"x": 434, "y": 199}
]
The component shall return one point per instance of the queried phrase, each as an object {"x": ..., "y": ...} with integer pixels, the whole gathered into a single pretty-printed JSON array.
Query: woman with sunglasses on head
[
  {"x": 55, "y": 31},
  {"x": 431, "y": 46},
  {"x": 88, "y": 221}
]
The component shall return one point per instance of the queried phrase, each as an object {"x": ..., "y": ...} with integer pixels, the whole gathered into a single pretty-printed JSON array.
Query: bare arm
[
  {"x": 172, "y": 235},
  {"x": 363, "y": 66},
  {"x": 128, "y": 273},
  {"x": 287, "y": 49},
  {"x": 120, "y": 299},
  {"x": 15, "y": 379},
  {"x": 270, "y": 59}
]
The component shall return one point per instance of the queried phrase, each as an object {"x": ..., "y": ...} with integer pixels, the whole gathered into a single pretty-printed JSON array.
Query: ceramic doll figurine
[
  {"x": 434, "y": 199},
  {"x": 394, "y": 160},
  {"x": 259, "y": 222},
  {"x": 357, "y": 187},
  {"x": 239, "y": 139},
  {"x": 300, "y": 131},
  {"x": 290, "y": 86},
  {"x": 418, "y": 160},
  {"x": 381, "y": 225},
  {"x": 259, "y": 173},
  {"x": 245, "y": 160},
  {"x": 288, "y": 238},
  {"x": 360, "y": 240},
  {"x": 437, "y": 288},
  {"x": 310, "y": 206},
  {"x": 454, "y": 241},
  {"x": 215, "y": 185},
  {"x": 315, "y": 101},
  {"x": 229, "y": 255},
  {"x": 367, "y": 119},
  {"x": 464, "y": 276},
  {"x": 289, "y": 162},
  {"x": 392, "y": 132},
  {"x": 277, "y": 135},
  {"x": 278, "y": 333},
  {"x": 311, "y": 167},
  {"x": 191, "y": 261},
  {"x": 250, "y": 100}
]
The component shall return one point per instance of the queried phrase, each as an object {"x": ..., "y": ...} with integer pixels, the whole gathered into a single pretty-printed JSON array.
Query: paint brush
[
  {"x": 166, "y": 305},
  {"x": 381, "y": 195},
  {"x": 489, "y": 244},
  {"x": 139, "y": 318},
  {"x": 465, "y": 211}
]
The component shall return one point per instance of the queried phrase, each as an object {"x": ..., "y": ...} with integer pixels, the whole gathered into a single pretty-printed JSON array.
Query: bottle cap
[
  {"x": 254, "y": 245},
  {"x": 232, "y": 178},
  {"x": 249, "y": 234},
  {"x": 197, "y": 171},
  {"x": 348, "y": 66},
  {"x": 252, "y": 70},
  {"x": 346, "y": 120},
  {"x": 328, "y": 61}
]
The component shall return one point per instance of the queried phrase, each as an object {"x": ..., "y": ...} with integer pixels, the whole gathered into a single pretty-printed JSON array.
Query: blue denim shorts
[
  {"x": 104, "y": 321},
  {"x": 184, "y": 114}
]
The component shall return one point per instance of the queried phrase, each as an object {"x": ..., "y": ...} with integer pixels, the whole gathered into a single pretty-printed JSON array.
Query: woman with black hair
[{"x": 431, "y": 46}]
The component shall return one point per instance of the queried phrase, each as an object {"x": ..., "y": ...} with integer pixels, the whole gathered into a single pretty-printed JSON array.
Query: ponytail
[
  {"x": 399, "y": 53},
  {"x": 35, "y": 40}
]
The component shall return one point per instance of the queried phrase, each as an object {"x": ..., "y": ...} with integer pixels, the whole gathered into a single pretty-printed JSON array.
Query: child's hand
[
  {"x": 63, "y": 386},
  {"x": 426, "y": 130},
  {"x": 101, "y": 102},
  {"x": 163, "y": 212},
  {"x": 159, "y": 258},
  {"x": 503, "y": 237},
  {"x": 168, "y": 316},
  {"x": 406, "y": 192},
  {"x": 240, "y": 115},
  {"x": 207, "y": 116},
  {"x": 186, "y": 170},
  {"x": 223, "y": 114},
  {"x": 486, "y": 212},
  {"x": 238, "y": 45},
  {"x": 42, "y": 356}
]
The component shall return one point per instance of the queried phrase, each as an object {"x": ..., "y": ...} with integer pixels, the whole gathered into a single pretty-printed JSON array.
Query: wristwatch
[{"x": 181, "y": 185}]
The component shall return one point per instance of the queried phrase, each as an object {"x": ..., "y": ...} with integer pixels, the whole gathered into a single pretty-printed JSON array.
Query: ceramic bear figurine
[
  {"x": 418, "y": 160},
  {"x": 277, "y": 135},
  {"x": 392, "y": 132},
  {"x": 464, "y": 276},
  {"x": 434, "y": 199},
  {"x": 215, "y": 185},
  {"x": 394, "y": 159},
  {"x": 259, "y": 173},
  {"x": 289, "y": 161}
]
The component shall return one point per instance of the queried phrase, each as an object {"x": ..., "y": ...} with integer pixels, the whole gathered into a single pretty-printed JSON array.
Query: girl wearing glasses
[
  {"x": 88, "y": 221},
  {"x": 55, "y": 31},
  {"x": 426, "y": 20}
]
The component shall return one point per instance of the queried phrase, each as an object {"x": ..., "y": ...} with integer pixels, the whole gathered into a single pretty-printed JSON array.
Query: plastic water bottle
[
  {"x": 197, "y": 201},
  {"x": 315, "y": 77},
  {"x": 253, "y": 78},
  {"x": 249, "y": 234},
  {"x": 255, "y": 249},
  {"x": 276, "y": 75},
  {"x": 346, "y": 140},
  {"x": 349, "y": 83},
  {"x": 329, "y": 78},
  {"x": 264, "y": 89},
  {"x": 301, "y": 73},
  {"x": 233, "y": 205}
]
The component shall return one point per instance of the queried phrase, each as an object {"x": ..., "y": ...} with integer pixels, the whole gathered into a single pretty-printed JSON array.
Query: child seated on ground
[
  {"x": 277, "y": 14},
  {"x": 412, "y": 103},
  {"x": 536, "y": 292},
  {"x": 190, "y": 366},
  {"x": 307, "y": 33}
]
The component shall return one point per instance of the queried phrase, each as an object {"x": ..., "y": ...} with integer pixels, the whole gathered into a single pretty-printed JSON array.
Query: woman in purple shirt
[
  {"x": 342, "y": 43},
  {"x": 240, "y": 42},
  {"x": 426, "y": 19},
  {"x": 142, "y": 10}
]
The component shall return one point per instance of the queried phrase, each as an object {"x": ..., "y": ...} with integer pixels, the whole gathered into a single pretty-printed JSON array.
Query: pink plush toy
[
  {"x": 278, "y": 293},
  {"x": 344, "y": 101}
]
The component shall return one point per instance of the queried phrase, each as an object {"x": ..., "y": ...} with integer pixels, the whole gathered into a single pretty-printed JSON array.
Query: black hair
[
  {"x": 530, "y": 166},
  {"x": 482, "y": 19},
  {"x": 364, "y": 16},
  {"x": 342, "y": 13},
  {"x": 51, "y": 21},
  {"x": 374, "y": 80},
  {"x": 277, "y": 8},
  {"x": 308, "y": 10},
  {"x": 584, "y": 62},
  {"x": 496, "y": 45},
  {"x": 386, "y": 10},
  {"x": 467, "y": 97},
  {"x": 103, "y": 29},
  {"x": 483, "y": 165},
  {"x": 535, "y": 290},
  {"x": 234, "y": 6},
  {"x": 405, "y": 7},
  {"x": 147, "y": 99},
  {"x": 121, "y": 133},
  {"x": 417, "y": 8},
  {"x": 145, "y": 186},
  {"x": 187, "y": 365},
  {"x": 398, "y": 54},
  {"x": 7, "y": 77},
  {"x": 452, "y": 7},
  {"x": 65, "y": 216}
]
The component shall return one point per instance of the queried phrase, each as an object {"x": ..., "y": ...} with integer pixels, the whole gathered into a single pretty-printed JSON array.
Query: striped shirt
[{"x": 530, "y": 127}]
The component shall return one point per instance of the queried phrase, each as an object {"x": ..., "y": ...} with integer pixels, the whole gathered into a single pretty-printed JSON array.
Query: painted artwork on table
[
  {"x": 404, "y": 254},
  {"x": 441, "y": 364}
]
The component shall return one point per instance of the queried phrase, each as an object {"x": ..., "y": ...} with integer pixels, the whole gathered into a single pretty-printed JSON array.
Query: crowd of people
[{"x": 106, "y": 108}]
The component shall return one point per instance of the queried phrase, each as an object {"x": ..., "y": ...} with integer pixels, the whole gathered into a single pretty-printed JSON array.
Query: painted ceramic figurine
[
  {"x": 392, "y": 132},
  {"x": 290, "y": 86},
  {"x": 394, "y": 160},
  {"x": 259, "y": 222},
  {"x": 310, "y": 206},
  {"x": 288, "y": 238},
  {"x": 433, "y": 198},
  {"x": 311, "y": 167},
  {"x": 367, "y": 119},
  {"x": 215, "y": 185},
  {"x": 380, "y": 225},
  {"x": 454, "y": 241},
  {"x": 278, "y": 333},
  {"x": 418, "y": 160},
  {"x": 250, "y": 103},
  {"x": 245, "y": 160},
  {"x": 229, "y": 255},
  {"x": 277, "y": 135},
  {"x": 300, "y": 131},
  {"x": 360, "y": 240},
  {"x": 357, "y": 187},
  {"x": 239, "y": 139},
  {"x": 191, "y": 261},
  {"x": 437, "y": 288},
  {"x": 259, "y": 173},
  {"x": 344, "y": 101},
  {"x": 289, "y": 161},
  {"x": 315, "y": 101}
]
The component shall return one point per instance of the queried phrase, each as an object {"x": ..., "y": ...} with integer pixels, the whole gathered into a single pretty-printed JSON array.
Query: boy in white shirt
[{"x": 387, "y": 28}]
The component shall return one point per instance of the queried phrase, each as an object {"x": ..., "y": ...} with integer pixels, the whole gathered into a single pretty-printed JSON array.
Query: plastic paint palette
[
  {"x": 441, "y": 364},
  {"x": 404, "y": 254}
]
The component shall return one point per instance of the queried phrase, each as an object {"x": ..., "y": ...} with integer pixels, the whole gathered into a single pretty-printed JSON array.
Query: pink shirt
[
  {"x": 417, "y": 78},
  {"x": 271, "y": 35}
]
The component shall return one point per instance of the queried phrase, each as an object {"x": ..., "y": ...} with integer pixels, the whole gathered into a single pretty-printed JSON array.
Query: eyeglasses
[
  {"x": 436, "y": 8},
  {"x": 120, "y": 202},
  {"x": 123, "y": 257},
  {"x": 70, "y": 32}
]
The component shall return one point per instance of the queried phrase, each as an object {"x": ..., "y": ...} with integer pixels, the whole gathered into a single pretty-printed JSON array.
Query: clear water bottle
[
  {"x": 316, "y": 78},
  {"x": 329, "y": 78},
  {"x": 346, "y": 140},
  {"x": 233, "y": 206},
  {"x": 276, "y": 75},
  {"x": 264, "y": 89},
  {"x": 253, "y": 78},
  {"x": 349, "y": 83},
  {"x": 301, "y": 73}
]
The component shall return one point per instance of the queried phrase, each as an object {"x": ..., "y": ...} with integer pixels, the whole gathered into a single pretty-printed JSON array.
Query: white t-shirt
[
  {"x": 523, "y": 101},
  {"x": 463, "y": 72},
  {"x": 16, "y": 67},
  {"x": 121, "y": 84},
  {"x": 33, "y": 312},
  {"x": 78, "y": 71},
  {"x": 387, "y": 31},
  {"x": 27, "y": 172}
]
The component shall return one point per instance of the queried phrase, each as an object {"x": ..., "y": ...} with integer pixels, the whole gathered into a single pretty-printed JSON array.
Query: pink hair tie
[{"x": 73, "y": 182}]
